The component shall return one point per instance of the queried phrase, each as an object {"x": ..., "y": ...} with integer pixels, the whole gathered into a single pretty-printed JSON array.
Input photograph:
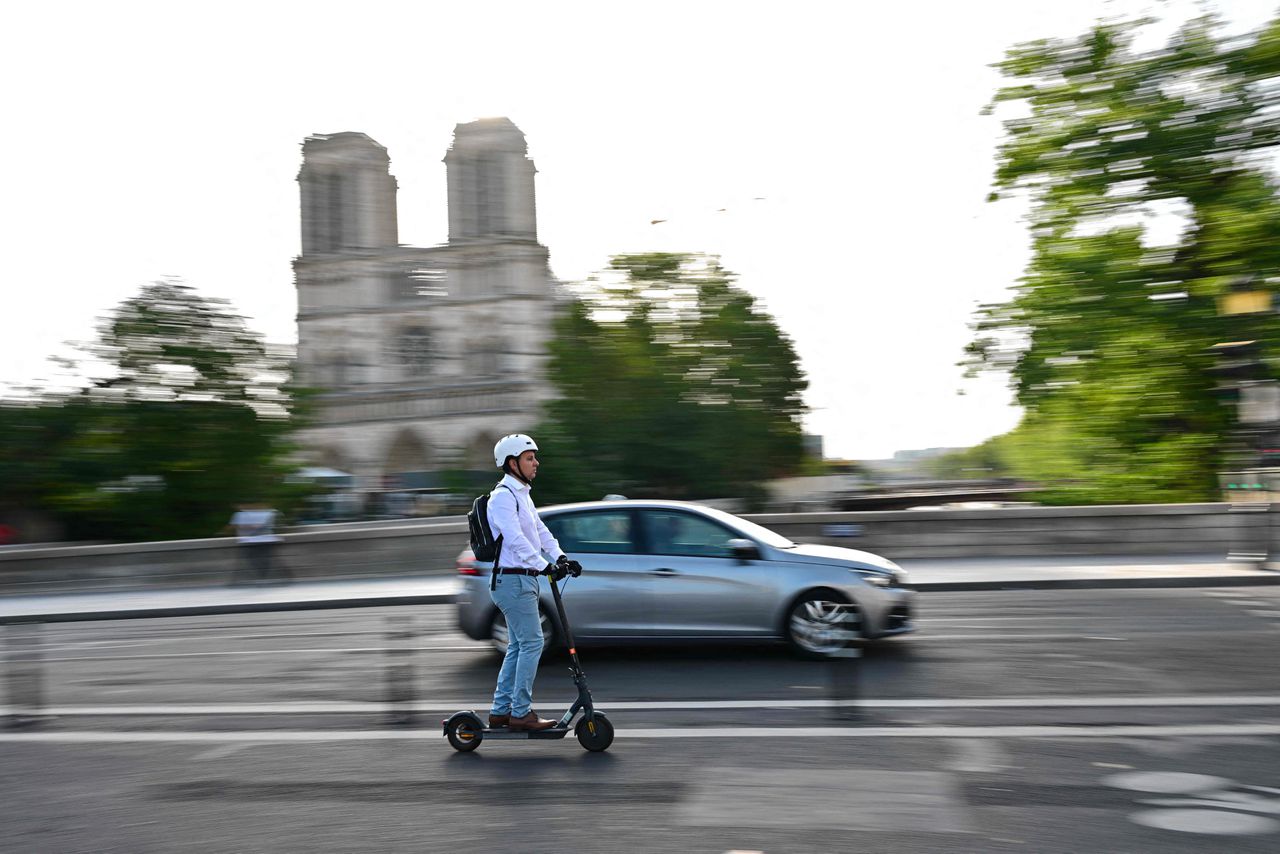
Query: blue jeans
[{"x": 517, "y": 597}]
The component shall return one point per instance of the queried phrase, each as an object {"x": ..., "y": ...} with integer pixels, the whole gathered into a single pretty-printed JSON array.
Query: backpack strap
[{"x": 493, "y": 576}]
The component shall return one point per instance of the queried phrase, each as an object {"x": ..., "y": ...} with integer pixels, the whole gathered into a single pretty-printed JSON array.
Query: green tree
[
  {"x": 672, "y": 382},
  {"x": 190, "y": 413},
  {"x": 1109, "y": 336}
]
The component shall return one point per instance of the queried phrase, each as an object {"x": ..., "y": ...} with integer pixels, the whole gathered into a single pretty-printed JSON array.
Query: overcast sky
[{"x": 842, "y": 140}]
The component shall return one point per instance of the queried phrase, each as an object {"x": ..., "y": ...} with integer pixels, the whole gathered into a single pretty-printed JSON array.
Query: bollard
[
  {"x": 24, "y": 674},
  {"x": 844, "y": 670},
  {"x": 399, "y": 672}
]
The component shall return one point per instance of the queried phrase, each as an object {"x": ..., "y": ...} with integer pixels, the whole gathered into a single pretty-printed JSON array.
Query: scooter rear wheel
[
  {"x": 465, "y": 734},
  {"x": 596, "y": 741}
]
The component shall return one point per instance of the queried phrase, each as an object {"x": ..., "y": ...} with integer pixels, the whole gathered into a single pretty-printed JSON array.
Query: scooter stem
[{"x": 564, "y": 623}]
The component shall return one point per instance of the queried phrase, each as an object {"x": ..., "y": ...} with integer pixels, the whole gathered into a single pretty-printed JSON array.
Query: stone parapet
[{"x": 429, "y": 547}]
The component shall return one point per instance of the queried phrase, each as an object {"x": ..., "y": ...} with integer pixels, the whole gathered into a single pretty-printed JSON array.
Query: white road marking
[
  {"x": 1006, "y": 636},
  {"x": 177, "y": 639},
  {"x": 1257, "y": 613},
  {"x": 1207, "y": 821},
  {"x": 1209, "y": 804},
  {"x": 1166, "y": 782},
  {"x": 1059, "y": 618},
  {"x": 431, "y": 734},
  {"x": 1055, "y": 702},
  {"x": 83, "y": 646},
  {"x": 1122, "y": 731},
  {"x": 223, "y": 653}
]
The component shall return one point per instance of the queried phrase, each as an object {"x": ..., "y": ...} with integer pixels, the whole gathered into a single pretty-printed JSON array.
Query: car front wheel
[{"x": 819, "y": 624}]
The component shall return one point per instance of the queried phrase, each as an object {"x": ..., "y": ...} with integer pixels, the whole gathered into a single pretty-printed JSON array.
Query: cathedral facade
[{"x": 423, "y": 357}]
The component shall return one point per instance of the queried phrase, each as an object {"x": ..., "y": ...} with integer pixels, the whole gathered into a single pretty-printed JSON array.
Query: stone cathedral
[{"x": 407, "y": 345}]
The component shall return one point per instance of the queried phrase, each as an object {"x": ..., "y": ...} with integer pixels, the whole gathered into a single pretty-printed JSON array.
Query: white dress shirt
[{"x": 526, "y": 542}]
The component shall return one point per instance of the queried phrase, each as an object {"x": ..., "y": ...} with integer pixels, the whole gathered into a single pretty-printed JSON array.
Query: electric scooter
[{"x": 465, "y": 730}]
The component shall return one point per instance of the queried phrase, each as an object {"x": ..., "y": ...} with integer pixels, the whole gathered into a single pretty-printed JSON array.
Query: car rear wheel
[
  {"x": 498, "y": 633},
  {"x": 819, "y": 622}
]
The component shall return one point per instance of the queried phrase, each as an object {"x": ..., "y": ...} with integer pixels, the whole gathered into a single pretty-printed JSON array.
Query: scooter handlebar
[
  {"x": 571, "y": 567},
  {"x": 562, "y": 567}
]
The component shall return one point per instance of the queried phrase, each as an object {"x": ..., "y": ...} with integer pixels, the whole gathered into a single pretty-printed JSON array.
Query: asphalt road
[{"x": 1069, "y": 720}]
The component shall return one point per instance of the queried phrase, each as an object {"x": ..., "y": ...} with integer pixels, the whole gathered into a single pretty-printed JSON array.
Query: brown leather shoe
[
  {"x": 498, "y": 721},
  {"x": 530, "y": 722}
]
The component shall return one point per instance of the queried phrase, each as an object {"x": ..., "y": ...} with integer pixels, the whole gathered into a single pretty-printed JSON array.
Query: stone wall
[
  {"x": 1025, "y": 531},
  {"x": 352, "y": 551}
]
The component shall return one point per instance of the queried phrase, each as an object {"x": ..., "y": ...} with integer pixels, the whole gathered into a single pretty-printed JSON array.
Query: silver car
[{"x": 665, "y": 570}]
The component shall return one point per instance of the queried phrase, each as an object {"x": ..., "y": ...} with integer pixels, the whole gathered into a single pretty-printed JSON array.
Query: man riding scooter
[{"x": 525, "y": 545}]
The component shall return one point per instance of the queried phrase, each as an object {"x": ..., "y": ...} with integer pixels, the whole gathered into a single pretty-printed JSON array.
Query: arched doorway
[
  {"x": 407, "y": 454},
  {"x": 407, "y": 475}
]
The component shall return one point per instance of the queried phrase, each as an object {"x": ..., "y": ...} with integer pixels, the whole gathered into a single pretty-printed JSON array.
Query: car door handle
[{"x": 665, "y": 570}]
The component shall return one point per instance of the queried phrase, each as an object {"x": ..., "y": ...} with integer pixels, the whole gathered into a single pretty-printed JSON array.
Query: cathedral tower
[
  {"x": 490, "y": 183},
  {"x": 348, "y": 195}
]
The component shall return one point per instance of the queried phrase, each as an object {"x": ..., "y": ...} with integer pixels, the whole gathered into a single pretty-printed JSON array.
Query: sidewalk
[
  {"x": 195, "y": 601},
  {"x": 1022, "y": 573}
]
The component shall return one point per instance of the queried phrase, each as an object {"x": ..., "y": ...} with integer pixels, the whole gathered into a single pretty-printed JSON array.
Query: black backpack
[{"x": 483, "y": 544}]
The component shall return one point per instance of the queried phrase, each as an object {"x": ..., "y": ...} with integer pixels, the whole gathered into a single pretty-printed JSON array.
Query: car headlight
[{"x": 875, "y": 577}]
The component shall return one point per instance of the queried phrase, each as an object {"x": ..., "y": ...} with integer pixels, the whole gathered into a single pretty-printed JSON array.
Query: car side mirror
[{"x": 744, "y": 550}]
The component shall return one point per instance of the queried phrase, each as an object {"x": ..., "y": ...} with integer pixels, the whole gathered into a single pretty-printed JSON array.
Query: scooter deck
[{"x": 553, "y": 733}]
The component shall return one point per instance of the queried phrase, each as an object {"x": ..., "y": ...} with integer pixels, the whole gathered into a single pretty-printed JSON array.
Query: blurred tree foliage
[
  {"x": 1108, "y": 338},
  {"x": 672, "y": 383},
  {"x": 191, "y": 416}
]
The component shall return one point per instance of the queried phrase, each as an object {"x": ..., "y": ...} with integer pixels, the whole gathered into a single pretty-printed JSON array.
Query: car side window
[
  {"x": 601, "y": 532},
  {"x": 676, "y": 533}
]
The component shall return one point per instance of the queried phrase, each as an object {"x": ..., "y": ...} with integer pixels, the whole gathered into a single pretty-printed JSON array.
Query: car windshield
[{"x": 759, "y": 533}]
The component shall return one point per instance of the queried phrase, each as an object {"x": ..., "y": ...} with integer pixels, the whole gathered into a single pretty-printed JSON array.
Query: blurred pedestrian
[
  {"x": 254, "y": 526},
  {"x": 527, "y": 549}
]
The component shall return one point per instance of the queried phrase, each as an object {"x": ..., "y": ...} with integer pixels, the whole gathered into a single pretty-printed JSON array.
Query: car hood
[{"x": 812, "y": 553}]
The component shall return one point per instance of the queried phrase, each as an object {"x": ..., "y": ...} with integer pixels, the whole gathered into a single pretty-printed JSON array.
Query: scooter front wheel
[
  {"x": 596, "y": 735},
  {"x": 464, "y": 733}
]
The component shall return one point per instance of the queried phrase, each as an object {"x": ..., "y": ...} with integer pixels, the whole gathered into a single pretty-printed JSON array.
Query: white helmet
[{"x": 512, "y": 446}]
